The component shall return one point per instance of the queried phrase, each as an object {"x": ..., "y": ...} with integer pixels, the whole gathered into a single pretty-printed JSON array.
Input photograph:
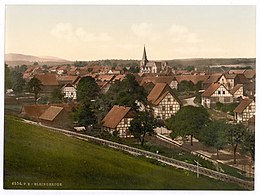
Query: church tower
[{"x": 144, "y": 61}]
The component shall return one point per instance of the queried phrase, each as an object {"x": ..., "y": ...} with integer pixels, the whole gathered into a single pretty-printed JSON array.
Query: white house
[
  {"x": 216, "y": 93},
  {"x": 69, "y": 91},
  {"x": 245, "y": 110},
  {"x": 163, "y": 101}
]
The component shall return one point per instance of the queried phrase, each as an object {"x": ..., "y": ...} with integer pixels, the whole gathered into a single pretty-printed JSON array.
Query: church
[{"x": 153, "y": 66}]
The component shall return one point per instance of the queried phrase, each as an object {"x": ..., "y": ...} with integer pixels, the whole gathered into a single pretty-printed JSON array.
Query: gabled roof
[
  {"x": 67, "y": 78},
  {"x": 105, "y": 77},
  {"x": 193, "y": 78},
  {"x": 51, "y": 113},
  {"x": 159, "y": 79},
  {"x": 237, "y": 87},
  {"x": 47, "y": 79},
  {"x": 213, "y": 78},
  {"x": 35, "y": 110},
  {"x": 242, "y": 105},
  {"x": 211, "y": 89},
  {"x": 159, "y": 91},
  {"x": 241, "y": 78},
  {"x": 115, "y": 115}
]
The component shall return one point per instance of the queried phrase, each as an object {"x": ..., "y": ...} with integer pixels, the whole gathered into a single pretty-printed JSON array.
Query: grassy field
[{"x": 35, "y": 156}]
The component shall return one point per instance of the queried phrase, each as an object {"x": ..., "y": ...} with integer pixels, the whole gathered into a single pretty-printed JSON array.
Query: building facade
[
  {"x": 244, "y": 111},
  {"x": 216, "y": 93},
  {"x": 163, "y": 101}
]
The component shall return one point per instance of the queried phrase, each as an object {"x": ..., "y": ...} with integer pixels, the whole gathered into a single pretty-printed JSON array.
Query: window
[
  {"x": 163, "y": 108},
  {"x": 219, "y": 92},
  {"x": 223, "y": 92},
  {"x": 171, "y": 108}
]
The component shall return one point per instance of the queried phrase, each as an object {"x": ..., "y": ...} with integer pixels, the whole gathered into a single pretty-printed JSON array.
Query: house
[
  {"x": 216, "y": 93},
  {"x": 170, "y": 80},
  {"x": 237, "y": 91},
  {"x": 118, "y": 120},
  {"x": 249, "y": 87},
  {"x": 69, "y": 91},
  {"x": 49, "y": 82},
  {"x": 33, "y": 112},
  {"x": 244, "y": 111},
  {"x": 55, "y": 116},
  {"x": 163, "y": 101},
  {"x": 65, "y": 79},
  {"x": 213, "y": 78},
  {"x": 230, "y": 80},
  {"x": 195, "y": 79},
  {"x": 153, "y": 66},
  {"x": 62, "y": 70}
]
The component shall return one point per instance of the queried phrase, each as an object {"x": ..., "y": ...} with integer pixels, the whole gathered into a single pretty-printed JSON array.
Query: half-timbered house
[
  {"x": 118, "y": 120},
  {"x": 244, "y": 111},
  {"x": 216, "y": 93},
  {"x": 163, "y": 101}
]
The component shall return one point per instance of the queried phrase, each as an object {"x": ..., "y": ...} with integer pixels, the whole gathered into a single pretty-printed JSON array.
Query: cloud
[
  {"x": 182, "y": 34},
  {"x": 145, "y": 30},
  {"x": 67, "y": 32}
]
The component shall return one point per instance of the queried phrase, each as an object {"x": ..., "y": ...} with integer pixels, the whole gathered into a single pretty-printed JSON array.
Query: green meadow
[{"x": 36, "y": 156}]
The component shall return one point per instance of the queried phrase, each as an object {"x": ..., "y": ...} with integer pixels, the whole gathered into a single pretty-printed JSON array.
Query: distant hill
[{"x": 19, "y": 59}]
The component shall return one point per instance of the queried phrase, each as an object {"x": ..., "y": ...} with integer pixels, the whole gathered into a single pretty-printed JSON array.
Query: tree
[
  {"x": 8, "y": 81},
  {"x": 186, "y": 86},
  {"x": 127, "y": 92},
  {"x": 17, "y": 81},
  {"x": 87, "y": 89},
  {"x": 142, "y": 124},
  {"x": 84, "y": 115},
  {"x": 215, "y": 134},
  {"x": 57, "y": 95},
  {"x": 189, "y": 120},
  {"x": 249, "y": 144},
  {"x": 236, "y": 134},
  {"x": 34, "y": 86}
]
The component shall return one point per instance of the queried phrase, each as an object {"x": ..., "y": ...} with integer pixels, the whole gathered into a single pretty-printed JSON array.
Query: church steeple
[{"x": 144, "y": 59}]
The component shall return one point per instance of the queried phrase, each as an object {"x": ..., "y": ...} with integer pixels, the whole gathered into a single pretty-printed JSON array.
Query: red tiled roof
[
  {"x": 51, "y": 113},
  {"x": 115, "y": 115},
  {"x": 35, "y": 110},
  {"x": 105, "y": 77},
  {"x": 211, "y": 89},
  {"x": 193, "y": 78},
  {"x": 242, "y": 105},
  {"x": 67, "y": 78},
  {"x": 213, "y": 78},
  {"x": 237, "y": 87},
  {"x": 159, "y": 91},
  {"x": 47, "y": 79}
]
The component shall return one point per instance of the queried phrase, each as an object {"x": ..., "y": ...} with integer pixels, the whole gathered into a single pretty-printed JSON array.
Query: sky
[{"x": 86, "y": 32}]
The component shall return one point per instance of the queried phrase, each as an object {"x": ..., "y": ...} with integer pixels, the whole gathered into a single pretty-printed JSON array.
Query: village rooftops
[
  {"x": 213, "y": 78},
  {"x": 47, "y": 79},
  {"x": 242, "y": 105},
  {"x": 115, "y": 115},
  {"x": 193, "y": 78}
]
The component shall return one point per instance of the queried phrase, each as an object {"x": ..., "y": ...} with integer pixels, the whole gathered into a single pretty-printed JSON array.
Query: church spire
[{"x": 144, "y": 59}]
